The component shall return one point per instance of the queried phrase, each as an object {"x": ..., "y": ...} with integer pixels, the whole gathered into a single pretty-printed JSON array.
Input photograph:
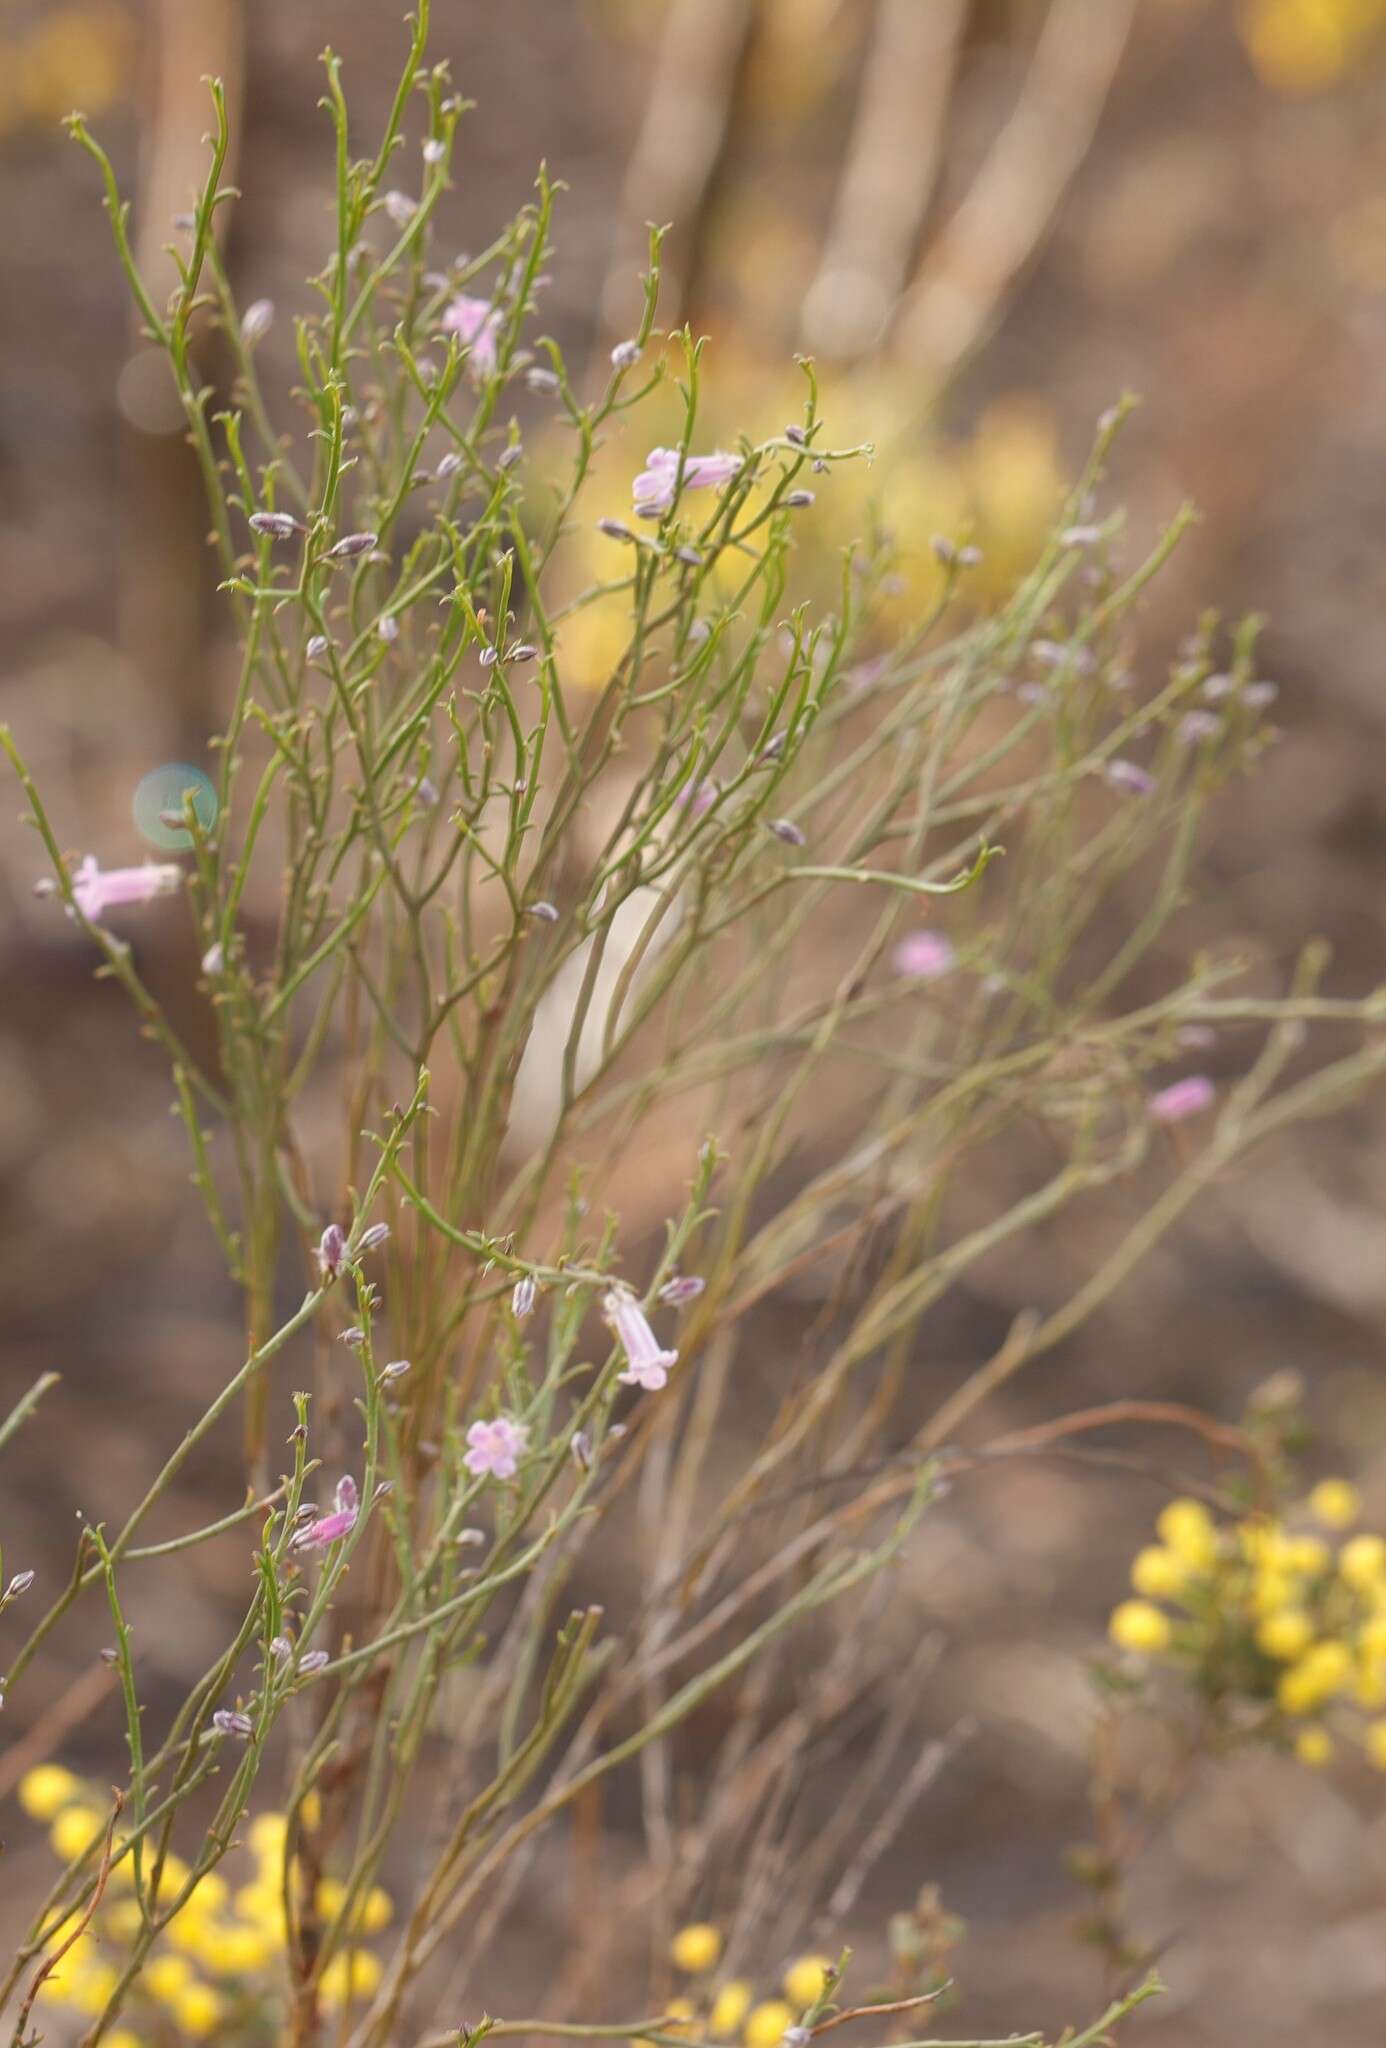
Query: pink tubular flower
[
  {"x": 646, "y": 1365},
  {"x": 96, "y": 893},
  {"x": 924, "y": 956},
  {"x": 495, "y": 1448},
  {"x": 655, "y": 487},
  {"x": 331, "y": 1528},
  {"x": 474, "y": 322},
  {"x": 1186, "y": 1098}
]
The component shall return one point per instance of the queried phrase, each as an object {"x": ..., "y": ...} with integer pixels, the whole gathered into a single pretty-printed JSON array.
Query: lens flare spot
[{"x": 159, "y": 799}]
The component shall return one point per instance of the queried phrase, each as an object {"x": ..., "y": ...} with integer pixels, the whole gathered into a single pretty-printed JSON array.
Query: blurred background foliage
[{"x": 985, "y": 219}]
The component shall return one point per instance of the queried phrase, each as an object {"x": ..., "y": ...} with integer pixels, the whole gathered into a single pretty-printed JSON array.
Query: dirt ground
[{"x": 1223, "y": 253}]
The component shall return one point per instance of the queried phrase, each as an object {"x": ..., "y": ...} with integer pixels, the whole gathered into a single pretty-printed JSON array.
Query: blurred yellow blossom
[
  {"x": 1136, "y": 1625},
  {"x": 696, "y": 1947},
  {"x": 1158, "y": 1573},
  {"x": 806, "y": 1980},
  {"x": 45, "y": 1790},
  {"x": 1335, "y": 1502},
  {"x": 766, "y": 2025},
  {"x": 730, "y": 2007},
  {"x": 1314, "y": 1746}
]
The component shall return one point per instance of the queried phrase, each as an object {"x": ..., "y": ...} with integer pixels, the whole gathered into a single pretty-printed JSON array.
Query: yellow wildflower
[
  {"x": 1308, "y": 1555},
  {"x": 353, "y": 1975},
  {"x": 166, "y": 1977},
  {"x": 1322, "y": 1671},
  {"x": 89, "y": 1989},
  {"x": 268, "y": 1834},
  {"x": 377, "y": 1911},
  {"x": 1136, "y": 1625},
  {"x": 1314, "y": 1746},
  {"x": 1362, "y": 1562},
  {"x": 730, "y": 2007},
  {"x": 1158, "y": 1573},
  {"x": 1372, "y": 1640},
  {"x": 121, "y": 2037},
  {"x": 74, "y": 1831},
  {"x": 1286, "y": 1634},
  {"x": 197, "y": 2009},
  {"x": 1335, "y": 1502},
  {"x": 1188, "y": 1529},
  {"x": 806, "y": 1980},
  {"x": 765, "y": 2028},
  {"x": 697, "y": 1947},
  {"x": 44, "y": 1791}
]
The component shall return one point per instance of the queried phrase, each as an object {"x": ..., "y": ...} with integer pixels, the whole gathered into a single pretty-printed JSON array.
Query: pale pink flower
[
  {"x": 97, "y": 892},
  {"x": 474, "y": 322},
  {"x": 655, "y": 487},
  {"x": 924, "y": 956},
  {"x": 1186, "y": 1098},
  {"x": 495, "y": 1448},
  {"x": 1129, "y": 775},
  {"x": 647, "y": 1365},
  {"x": 326, "y": 1529}
]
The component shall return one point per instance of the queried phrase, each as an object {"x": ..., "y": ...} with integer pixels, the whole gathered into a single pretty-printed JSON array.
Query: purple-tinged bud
[
  {"x": 317, "y": 647},
  {"x": 540, "y": 379},
  {"x": 256, "y": 321},
  {"x": 332, "y": 1251},
  {"x": 385, "y": 1487},
  {"x": 944, "y": 550},
  {"x": 388, "y": 629},
  {"x": 351, "y": 545},
  {"x": 227, "y": 1723},
  {"x": 797, "y": 436},
  {"x": 773, "y": 748},
  {"x": 434, "y": 150},
  {"x": 625, "y": 355},
  {"x": 45, "y": 886},
  {"x": 488, "y": 657},
  {"x": 400, "y": 208},
  {"x": 184, "y": 221},
  {"x": 1258, "y": 695},
  {"x": 1080, "y": 536},
  {"x": 580, "y": 1448},
  {"x": 110, "y": 1656},
  {"x": 546, "y": 912},
  {"x": 1197, "y": 1037},
  {"x": 969, "y": 557},
  {"x": 373, "y": 1238},
  {"x": 426, "y": 793},
  {"x": 510, "y": 456},
  {"x": 614, "y": 529},
  {"x": 522, "y": 1300},
  {"x": 1215, "y": 688},
  {"x": 314, "y": 1661},
  {"x": 279, "y": 525},
  {"x": 683, "y": 1287},
  {"x": 797, "y": 2037},
  {"x": 522, "y": 651},
  {"x": 448, "y": 465},
  {"x": 214, "y": 959},
  {"x": 281, "y": 1649},
  {"x": 1196, "y": 727},
  {"x": 788, "y": 831},
  {"x": 354, "y": 1337},
  {"x": 793, "y": 500},
  {"x": 689, "y": 555},
  {"x": 468, "y": 1539},
  {"x": 20, "y": 1583},
  {"x": 1182, "y": 1099},
  {"x": 1128, "y": 775},
  {"x": 395, "y": 1370}
]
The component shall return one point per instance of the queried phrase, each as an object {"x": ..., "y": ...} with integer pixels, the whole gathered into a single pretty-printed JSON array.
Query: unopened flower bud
[
  {"x": 683, "y": 1287},
  {"x": 227, "y": 1723},
  {"x": 314, "y": 1661},
  {"x": 281, "y": 1649},
  {"x": 400, "y": 208},
  {"x": 332, "y": 1251},
  {"x": 20, "y": 1583},
  {"x": 788, "y": 831},
  {"x": 256, "y": 321},
  {"x": 448, "y": 465},
  {"x": 797, "y": 436},
  {"x": 625, "y": 355},
  {"x": 522, "y": 1300},
  {"x": 434, "y": 150},
  {"x": 350, "y": 545},
  {"x": 467, "y": 1539},
  {"x": 488, "y": 657},
  {"x": 395, "y": 1370},
  {"x": 374, "y": 1237},
  {"x": 540, "y": 379},
  {"x": 279, "y": 525},
  {"x": 522, "y": 651},
  {"x": 547, "y": 913},
  {"x": 510, "y": 456},
  {"x": 214, "y": 959},
  {"x": 795, "y": 499},
  {"x": 316, "y": 647},
  {"x": 614, "y": 529},
  {"x": 689, "y": 555},
  {"x": 354, "y": 1337},
  {"x": 580, "y": 1447}
]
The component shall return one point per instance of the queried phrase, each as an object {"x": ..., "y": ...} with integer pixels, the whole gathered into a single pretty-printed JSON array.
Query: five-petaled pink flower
[
  {"x": 655, "y": 488},
  {"x": 924, "y": 956},
  {"x": 495, "y": 1447},
  {"x": 96, "y": 893},
  {"x": 1189, "y": 1097},
  {"x": 647, "y": 1365},
  {"x": 474, "y": 322},
  {"x": 331, "y": 1528}
]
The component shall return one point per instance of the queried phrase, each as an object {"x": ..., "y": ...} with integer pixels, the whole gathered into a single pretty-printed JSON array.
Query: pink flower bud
[{"x": 1182, "y": 1099}]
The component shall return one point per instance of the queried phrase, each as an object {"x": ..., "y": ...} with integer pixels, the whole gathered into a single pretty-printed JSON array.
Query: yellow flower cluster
[
  {"x": 219, "y": 1946},
  {"x": 731, "y": 2008},
  {"x": 1303, "y": 46},
  {"x": 1270, "y": 1611}
]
